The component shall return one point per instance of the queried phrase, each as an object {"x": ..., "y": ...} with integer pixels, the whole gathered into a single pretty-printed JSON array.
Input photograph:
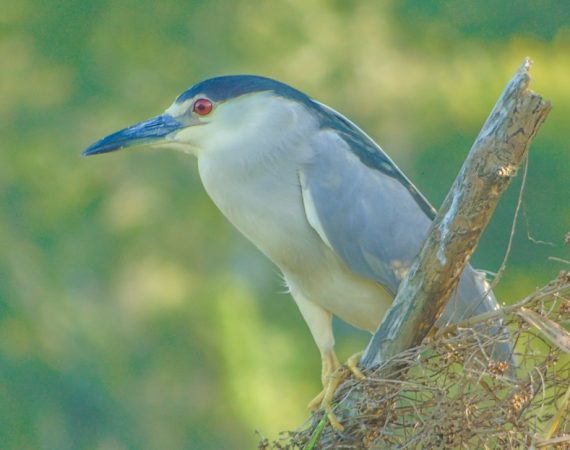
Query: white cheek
[
  {"x": 190, "y": 139},
  {"x": 250, "y": 123},
  {"x": 178, "y": 146},
  {"x": 178, "y": 109}
]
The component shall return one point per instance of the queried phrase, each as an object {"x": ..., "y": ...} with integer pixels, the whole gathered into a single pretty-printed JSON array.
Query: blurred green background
[{"x": 132, "y": 315}]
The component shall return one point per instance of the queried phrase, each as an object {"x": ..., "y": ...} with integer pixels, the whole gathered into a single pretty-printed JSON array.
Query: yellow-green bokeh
[{"x": 132, "y": 316}]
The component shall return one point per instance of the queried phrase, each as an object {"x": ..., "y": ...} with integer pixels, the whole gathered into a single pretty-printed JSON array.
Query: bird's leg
[
  {"x": 329, "y": 365},
  {"x": 329, "y": 376},
  {"x": 319, "y": 321},
  {"x": 352, "y": 364},
  {"x": 333, "y": 374}
]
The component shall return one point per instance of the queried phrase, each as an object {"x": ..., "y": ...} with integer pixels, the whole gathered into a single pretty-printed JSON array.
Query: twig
[{"x": 503, "y": 265}]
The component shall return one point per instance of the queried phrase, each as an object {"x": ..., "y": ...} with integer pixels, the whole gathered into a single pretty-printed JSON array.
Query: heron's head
[{"x": 231, "y": 111}]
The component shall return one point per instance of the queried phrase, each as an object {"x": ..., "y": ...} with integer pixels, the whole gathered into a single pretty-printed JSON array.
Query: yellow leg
[
  {"x": 335, "y": 379},
  {"x": 316, "y": 402},
  {"x": 333, "y": 374},
  {"x": 329, "y": 365},
  {"x": 352, "y": 364}
]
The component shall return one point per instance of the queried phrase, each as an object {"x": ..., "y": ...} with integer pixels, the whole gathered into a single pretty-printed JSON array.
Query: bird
[{"x": 315, "y": 194}]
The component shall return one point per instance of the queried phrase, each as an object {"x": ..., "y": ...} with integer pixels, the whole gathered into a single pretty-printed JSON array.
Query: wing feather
[
  {"x": 369, "y": 219},
  {"x": 374, "y": 218}
]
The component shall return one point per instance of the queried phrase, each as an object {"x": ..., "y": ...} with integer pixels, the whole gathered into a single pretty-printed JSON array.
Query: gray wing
[
  {"x": 371, "y": 215},
  {"x": 369, "y": 218},
  {"x": 377, "y": 221}
]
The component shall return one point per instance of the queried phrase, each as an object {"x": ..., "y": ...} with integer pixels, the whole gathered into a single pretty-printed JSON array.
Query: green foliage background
[{"x": 132, "y": 316}]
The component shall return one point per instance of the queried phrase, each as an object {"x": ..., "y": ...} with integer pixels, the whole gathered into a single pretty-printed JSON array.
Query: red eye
[{"x": 202, "y": 106}]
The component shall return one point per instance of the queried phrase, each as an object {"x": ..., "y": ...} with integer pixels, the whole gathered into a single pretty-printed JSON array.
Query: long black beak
[{"x": 143, "y": 133}]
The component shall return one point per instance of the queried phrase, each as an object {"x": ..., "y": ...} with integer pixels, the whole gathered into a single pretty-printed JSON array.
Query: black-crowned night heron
[{"x": 313, "y": 192}]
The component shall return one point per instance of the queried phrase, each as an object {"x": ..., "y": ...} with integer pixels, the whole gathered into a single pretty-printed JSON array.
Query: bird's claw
[
  {"x": 352, "y": 365},
  {"x": 324, "y": 399},
  {"x": 316, "y": 402}
]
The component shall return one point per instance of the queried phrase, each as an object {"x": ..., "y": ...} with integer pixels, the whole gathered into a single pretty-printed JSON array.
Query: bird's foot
[
  {"x": 352, "y": 364},
  {"x": 331, "y": 382}
]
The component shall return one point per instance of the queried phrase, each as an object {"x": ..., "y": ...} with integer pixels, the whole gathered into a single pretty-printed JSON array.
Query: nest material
[{"x": 448, "y": 393}]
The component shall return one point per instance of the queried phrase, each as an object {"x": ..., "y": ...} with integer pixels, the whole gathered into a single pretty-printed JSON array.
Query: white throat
[{"x": 251, "y": 174}]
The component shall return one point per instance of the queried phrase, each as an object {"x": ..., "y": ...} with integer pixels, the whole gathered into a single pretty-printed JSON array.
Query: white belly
[
  {"x": 358, "y": 301},
  {"x": 267, "y": 209},
  {"x": 279, "y": 228}
]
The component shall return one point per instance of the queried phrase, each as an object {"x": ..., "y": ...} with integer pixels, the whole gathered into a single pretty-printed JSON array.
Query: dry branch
[{"x": 492, "y": 163}]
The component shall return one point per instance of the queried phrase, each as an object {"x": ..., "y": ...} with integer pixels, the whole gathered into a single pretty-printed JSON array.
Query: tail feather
[{"x": 473, "y": 297}]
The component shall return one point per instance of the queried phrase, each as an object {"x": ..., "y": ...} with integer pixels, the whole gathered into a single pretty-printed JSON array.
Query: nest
[{"x": 447, "y": 393}]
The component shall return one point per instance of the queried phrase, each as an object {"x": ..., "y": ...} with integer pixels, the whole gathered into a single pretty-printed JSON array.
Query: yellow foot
[
  {"x": 335, "y": 380},
  {"x": 331, "y": 381},
  {"x": 316, "y": 402},
  {"x": 352, "y": 364}
]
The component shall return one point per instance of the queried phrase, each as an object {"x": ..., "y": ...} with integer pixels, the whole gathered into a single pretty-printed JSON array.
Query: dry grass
[{"x": 449, "y": 394}]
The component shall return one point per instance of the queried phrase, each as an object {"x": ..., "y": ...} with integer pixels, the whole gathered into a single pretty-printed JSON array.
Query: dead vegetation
[{"x": 454, "y": 396}]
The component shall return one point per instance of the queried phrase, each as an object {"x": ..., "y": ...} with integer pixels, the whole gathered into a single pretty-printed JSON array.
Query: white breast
[
  {"x": 254, "y": 181},
  {"x": 268, "y": 209},
  {"x": 264, "y": 204}
]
